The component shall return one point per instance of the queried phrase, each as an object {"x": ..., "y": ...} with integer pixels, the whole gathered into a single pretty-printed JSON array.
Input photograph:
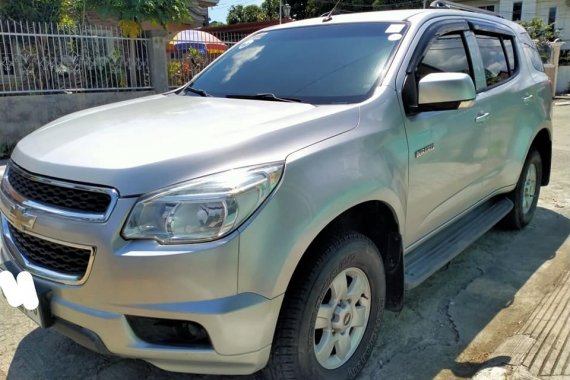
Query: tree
[
  {"x": 239, "y": 14},
  {"x": 160, "y": 12},
  {"x": 270, "y": 9},
  {"x": 235, "y": 14},
  {"x": 130, "y": 13},
  {"x": 31, "y": 10},
  {"x": 216, "y": 23}
]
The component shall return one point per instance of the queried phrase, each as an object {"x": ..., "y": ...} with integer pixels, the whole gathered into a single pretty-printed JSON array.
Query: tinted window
[
  {"x": 531, "y": 52},
  {"x": 445, "y": 54},
  {"x": 510, "y": 54},
  {"x": 320, "y": 64},
  {"x": 494, "y": 60}
]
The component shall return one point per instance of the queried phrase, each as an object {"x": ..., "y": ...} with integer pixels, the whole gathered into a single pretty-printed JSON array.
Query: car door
[
  {"x": 447, "y": 147},
  {"x": 509, "y": 97}
]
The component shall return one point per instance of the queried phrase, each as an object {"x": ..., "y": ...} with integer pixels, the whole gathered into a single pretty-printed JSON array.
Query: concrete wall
[
  {"x": 563, "y": 80},
  {"x": 20, "y": 115}
]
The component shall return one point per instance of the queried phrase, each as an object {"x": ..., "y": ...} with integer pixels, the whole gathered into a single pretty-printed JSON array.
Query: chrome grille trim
[
  {"x": 30, "y": 204},
  {"x": 40, "y": 271}
]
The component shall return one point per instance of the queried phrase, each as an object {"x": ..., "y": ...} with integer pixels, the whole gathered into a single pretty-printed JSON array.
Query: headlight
[{"x": 203, "y": 209}]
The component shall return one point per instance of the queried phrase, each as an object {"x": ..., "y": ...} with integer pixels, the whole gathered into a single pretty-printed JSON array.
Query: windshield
[{"x": 324, "y": 64}]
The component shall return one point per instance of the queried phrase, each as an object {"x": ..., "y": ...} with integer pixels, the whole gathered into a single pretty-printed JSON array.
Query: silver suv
[{"x": 266, "y": 214}]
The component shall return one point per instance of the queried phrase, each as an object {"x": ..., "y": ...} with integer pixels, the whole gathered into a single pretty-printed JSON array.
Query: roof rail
[{"x": 444, "y": 4}]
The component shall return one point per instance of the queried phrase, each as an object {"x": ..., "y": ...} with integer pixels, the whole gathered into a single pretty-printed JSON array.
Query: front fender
[{"x": 320, "y": 182}]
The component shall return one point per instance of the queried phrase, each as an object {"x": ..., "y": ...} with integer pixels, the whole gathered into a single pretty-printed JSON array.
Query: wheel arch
[
  {"x": 377, "y": 221},
  {"x": 542, "y": 142}
]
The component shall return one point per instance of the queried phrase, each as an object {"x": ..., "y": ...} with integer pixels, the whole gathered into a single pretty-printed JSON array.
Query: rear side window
[
  {"x": 445, "y": 54},
  {"x": 494, "y": 59}
]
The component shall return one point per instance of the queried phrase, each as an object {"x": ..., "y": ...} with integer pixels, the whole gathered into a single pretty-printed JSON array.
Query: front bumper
[{"x": 196, "y": 283}]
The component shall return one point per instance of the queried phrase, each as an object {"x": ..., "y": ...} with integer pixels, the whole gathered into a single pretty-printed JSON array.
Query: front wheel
[
  {"x": 525, "y": 195},
  {"x": 332, "y": 313}
]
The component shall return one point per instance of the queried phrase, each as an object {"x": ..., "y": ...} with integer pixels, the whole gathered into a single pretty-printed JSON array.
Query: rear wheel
[
  {"x": 332, "y": 312},
  {"x": 525, "y": 196}
]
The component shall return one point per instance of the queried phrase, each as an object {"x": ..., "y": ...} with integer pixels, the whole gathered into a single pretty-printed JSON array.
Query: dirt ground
[{"x": 447, "y": 330}]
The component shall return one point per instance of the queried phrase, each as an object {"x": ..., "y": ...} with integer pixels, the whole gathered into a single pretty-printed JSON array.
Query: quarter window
[
  {"x": 445, "y": 54},
  {"x": 494, "y": 60},
  {"x": 531, "y": 51},
  {"x": 508, "y": 43},
  {"x": 490, "y": 8}
]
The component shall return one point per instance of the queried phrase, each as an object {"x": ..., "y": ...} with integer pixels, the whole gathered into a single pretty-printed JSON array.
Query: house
[{"x": 555, "y": 12}]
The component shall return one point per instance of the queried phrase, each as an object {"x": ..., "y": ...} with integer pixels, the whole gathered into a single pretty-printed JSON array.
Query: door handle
[
  {"x": 482, "y": 117},
  {"x": 527, "y": 99}
]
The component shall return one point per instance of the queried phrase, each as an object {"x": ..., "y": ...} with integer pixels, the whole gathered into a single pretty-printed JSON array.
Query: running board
[{"x": 433, "y": 254}]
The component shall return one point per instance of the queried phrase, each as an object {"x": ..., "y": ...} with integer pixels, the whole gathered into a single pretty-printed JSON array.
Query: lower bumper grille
[{"x": 69, "y": 261}]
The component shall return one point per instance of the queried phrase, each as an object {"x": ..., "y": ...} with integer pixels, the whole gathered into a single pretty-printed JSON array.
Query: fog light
[{"x": 169, "y": 332}]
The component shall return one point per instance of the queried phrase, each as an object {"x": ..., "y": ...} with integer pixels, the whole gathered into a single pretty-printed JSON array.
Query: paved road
[{"x": 448, "y": 329}]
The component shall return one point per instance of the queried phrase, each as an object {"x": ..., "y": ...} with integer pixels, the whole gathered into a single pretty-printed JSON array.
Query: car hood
[{"x": 147, "y": 143}]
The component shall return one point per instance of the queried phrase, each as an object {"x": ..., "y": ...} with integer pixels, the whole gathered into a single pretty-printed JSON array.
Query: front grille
[
  {"x": 53, "y": 256},
  {"x": 59, "y": 196}
]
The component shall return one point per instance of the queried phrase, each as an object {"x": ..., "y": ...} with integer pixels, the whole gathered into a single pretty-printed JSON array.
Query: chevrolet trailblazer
[{"x": 262, "y": 217}]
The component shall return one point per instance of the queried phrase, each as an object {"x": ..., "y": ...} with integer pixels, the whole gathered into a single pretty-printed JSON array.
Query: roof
[{"x": 412, "y": 15}]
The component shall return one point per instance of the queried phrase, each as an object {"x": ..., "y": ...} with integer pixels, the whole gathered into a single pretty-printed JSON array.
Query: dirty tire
[
  {"x": 518, "y": 218},
  {"x": 293, "y": 351}
]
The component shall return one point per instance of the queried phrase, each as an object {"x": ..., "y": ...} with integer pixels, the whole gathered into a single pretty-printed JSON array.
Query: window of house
[
  {"x": 494, "y": 60},
  {"x": 551, "y": 15},
  {"x": 490, "y": 8},
  {"x": 445, "y": 54},
  {"x": 517, "y": 11}
]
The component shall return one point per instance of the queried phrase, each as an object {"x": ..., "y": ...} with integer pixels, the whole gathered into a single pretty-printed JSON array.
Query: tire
[
  {"x": 348, "y": 257},
  {"x": 525, "y": 195}
]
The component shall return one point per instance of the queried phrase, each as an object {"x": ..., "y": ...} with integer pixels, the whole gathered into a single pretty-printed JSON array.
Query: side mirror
[{"x": 445, "y": 90}]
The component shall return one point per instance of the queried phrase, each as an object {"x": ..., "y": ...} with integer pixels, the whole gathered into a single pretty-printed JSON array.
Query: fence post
[{"x": 157, "y": 57}]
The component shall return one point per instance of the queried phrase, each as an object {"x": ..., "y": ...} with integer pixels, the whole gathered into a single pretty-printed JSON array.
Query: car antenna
[{"x": 328, "y": 16}]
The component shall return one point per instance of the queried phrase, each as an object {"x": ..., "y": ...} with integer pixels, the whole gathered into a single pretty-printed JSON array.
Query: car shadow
[{"x": 440, "y": 318}]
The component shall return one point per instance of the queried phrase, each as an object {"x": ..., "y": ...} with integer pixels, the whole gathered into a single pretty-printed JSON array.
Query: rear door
[{"x": 509, "y": 97}]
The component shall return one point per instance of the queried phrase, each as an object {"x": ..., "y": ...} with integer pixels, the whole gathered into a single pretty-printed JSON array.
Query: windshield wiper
[
  {"x": 196, "y": 91},
  {"x": 264, "y": 96}
]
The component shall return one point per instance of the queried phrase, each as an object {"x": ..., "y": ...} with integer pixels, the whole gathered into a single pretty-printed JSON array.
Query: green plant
[
  {"x": 542, "y": 33},
  {"x": 539, "y": 30},
  {"x": 6, "y": 149},
  {"x": 182, "y": 70}
]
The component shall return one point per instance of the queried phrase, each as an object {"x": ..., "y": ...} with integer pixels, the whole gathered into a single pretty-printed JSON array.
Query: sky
[{"x": 219, "y": 12}]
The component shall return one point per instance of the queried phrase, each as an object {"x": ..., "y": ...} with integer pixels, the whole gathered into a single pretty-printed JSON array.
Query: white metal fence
[
  {"x": 38, "y": 58},
  {"x": 190, "y": 51}
]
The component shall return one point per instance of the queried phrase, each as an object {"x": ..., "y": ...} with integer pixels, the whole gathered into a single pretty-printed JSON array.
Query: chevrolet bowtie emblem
[{"x": 20, "y": 218}]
